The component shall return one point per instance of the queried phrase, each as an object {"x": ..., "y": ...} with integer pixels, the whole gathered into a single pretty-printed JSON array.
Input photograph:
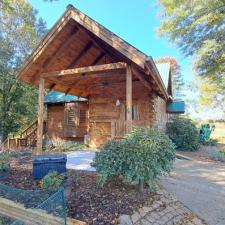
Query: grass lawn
[{"x": 219, "y": 133}]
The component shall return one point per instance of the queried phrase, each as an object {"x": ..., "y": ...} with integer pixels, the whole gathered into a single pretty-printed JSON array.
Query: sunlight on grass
[{"x": 219, "y": 133}]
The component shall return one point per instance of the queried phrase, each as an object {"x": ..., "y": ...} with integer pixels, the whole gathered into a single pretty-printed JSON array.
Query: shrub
[
  {"x": 218, "y": 155},
  {"x": 4, "y": 162},
  {"x": 210, "y": 142},
  {"x": 143, "y": 154},
  {"x": 52, "y": 181},
  {"x": 183, "y": 133},
  {"x": 64, "y": 146}
]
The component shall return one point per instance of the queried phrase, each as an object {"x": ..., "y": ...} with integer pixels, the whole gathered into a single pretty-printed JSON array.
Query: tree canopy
[
  {"x": 20, "y": 31},
  {"x": 198, "y": 29}
]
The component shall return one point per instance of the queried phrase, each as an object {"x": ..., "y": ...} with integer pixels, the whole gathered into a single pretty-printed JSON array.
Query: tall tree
[
  {"x": 177, "y": 78},
  {"x": 20, "y": 31},
  {"x": 197, "y": 27}
]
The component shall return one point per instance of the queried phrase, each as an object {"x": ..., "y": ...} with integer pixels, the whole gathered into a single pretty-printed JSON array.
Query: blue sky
[{"x": 134, "y": 21}]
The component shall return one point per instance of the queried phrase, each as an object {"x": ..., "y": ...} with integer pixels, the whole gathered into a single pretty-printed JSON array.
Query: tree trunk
[{"x": 141, "y": 186}]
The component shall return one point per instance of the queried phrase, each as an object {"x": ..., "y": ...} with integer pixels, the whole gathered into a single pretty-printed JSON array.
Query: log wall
[
  {"x": 107, "y": 120},
  {"x": 56, "y": 124}
]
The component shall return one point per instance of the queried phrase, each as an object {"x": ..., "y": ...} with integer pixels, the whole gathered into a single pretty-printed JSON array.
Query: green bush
[
  {"x": 210, "y": 142},
  {"x": 64, "y": 146},
  {"x": 52, "y": 181},
  {"x": 218, "y": 155},
  {"x": 143, "y": 154},
  {"x": 184, "y": 134},
  {"x": 4, "y": 162}
]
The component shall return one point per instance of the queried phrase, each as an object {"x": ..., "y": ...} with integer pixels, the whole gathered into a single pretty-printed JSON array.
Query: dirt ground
[{"x": 204, "y": 152}]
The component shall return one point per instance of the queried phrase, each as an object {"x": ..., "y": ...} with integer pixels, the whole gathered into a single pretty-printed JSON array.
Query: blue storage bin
[{"x": 43, "y": 164}]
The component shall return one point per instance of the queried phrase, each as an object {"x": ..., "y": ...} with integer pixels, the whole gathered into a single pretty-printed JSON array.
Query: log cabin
[{"x": 122, "y": 85}]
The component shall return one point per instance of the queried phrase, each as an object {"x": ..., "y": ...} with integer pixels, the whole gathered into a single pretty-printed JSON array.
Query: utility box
[{"x": 43, "y": 164}]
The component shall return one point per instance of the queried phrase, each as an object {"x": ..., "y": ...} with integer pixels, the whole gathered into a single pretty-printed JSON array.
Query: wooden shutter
[
  {"x": 71, "y": 120},
  {"x": 83, "y": 116}
]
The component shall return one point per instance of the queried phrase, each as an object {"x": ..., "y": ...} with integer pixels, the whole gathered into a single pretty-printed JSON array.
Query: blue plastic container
[{"x": 43, "y": 164}]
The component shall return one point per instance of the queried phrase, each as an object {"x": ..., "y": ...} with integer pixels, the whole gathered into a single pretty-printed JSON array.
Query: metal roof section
[
  {"x": 59, "y": 97},
  {"x": 176, "y": 107},
  {"x": 164, "y": 71}
]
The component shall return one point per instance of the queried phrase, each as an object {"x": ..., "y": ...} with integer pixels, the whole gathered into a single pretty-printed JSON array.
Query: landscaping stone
[
  {"x": 165, "y": 210},
  {"x": 125, "y": 220}
]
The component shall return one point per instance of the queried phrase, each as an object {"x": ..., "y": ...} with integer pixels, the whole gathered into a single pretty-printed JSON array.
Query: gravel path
[{"x": 201, "y": 187}]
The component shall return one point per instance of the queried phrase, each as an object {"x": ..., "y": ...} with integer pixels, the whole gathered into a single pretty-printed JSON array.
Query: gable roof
[
  {"x": 59, "y": 97},
  {"x": 42, "y": 56}
]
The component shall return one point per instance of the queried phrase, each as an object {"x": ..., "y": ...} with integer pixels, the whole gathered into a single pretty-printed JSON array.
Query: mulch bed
[{"x": 87, "y": 201}]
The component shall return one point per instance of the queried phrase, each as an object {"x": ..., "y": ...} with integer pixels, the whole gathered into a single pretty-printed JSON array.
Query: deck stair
[{"x": 26, "y": 139}]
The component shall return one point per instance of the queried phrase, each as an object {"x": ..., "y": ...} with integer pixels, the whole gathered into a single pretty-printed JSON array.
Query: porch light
[{"x": 117, "y": 102}]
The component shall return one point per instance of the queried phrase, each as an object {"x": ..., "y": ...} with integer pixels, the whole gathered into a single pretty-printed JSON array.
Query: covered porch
[{"x": 80, "y": 57}]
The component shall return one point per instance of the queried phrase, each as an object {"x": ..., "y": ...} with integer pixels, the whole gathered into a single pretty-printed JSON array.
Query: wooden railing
[
  {"x": 27, "y": 138},
  {"x": 29, "y": 129},
  {"x": 18, "y": 212}
]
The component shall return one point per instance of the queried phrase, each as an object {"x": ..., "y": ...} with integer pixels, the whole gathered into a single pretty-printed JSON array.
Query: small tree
[
  {"x": 143, "y": 155},
  {"x": 184, "y": 134}
]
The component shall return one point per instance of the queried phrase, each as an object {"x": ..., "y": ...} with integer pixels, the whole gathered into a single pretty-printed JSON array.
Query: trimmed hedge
[
  {"x": 184, "y": 134},
  {"x": 144, "y": 154}
]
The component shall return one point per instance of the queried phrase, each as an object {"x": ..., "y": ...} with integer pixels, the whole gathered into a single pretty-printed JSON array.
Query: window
[{"x": 134, "y": 113}]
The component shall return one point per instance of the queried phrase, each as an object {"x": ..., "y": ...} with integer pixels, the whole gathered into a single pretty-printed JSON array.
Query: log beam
[
  {"x": 129, "y": 98},
  {"x": 87, "y": 70},
  {"x": 40, "y": 115}
]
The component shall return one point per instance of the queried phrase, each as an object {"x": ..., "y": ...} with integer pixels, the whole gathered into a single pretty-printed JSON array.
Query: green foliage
[
  {"x": 210, "y": 142},
  {"x": 143, "y": 154},
  {"x": 4, "y": 162},
  {"x": 183, "y": 133},
  {"x": 16, "y": 154},
  {"x": 52, "y": 181},
  {"x": 218, "y": 155},
  {"x": 65, "y": 146},
  {"x": 197, "y": 27},
  {"x": 20, "y": 31}
]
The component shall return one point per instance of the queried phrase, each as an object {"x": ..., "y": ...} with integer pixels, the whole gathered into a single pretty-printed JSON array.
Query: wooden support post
[
  {"x": 40, "y": 115},
  {"x": 129, "y": 98}
]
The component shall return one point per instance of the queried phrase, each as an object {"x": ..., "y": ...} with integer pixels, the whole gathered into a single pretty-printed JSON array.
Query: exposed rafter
[
  {"x": 51, "y": 87},
  {"x": 141, "y": 78},
  {"x": 83, "y": 51},
  {"x": 98, "y": 59},
  {"x": 62, "y": 48}
]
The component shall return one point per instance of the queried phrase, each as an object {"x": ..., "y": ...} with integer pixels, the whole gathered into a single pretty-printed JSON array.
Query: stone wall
[{"x": 160, "y": 114}]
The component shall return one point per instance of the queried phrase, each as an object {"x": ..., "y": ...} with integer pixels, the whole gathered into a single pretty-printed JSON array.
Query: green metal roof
[
  {"x": 59, "y": 97},
  {"x": 176, "y": 107},
  {"x": 164, "y": 71}
]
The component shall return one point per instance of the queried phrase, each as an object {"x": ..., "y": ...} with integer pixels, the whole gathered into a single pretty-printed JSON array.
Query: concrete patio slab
[{"x": 80, "y": 160}]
